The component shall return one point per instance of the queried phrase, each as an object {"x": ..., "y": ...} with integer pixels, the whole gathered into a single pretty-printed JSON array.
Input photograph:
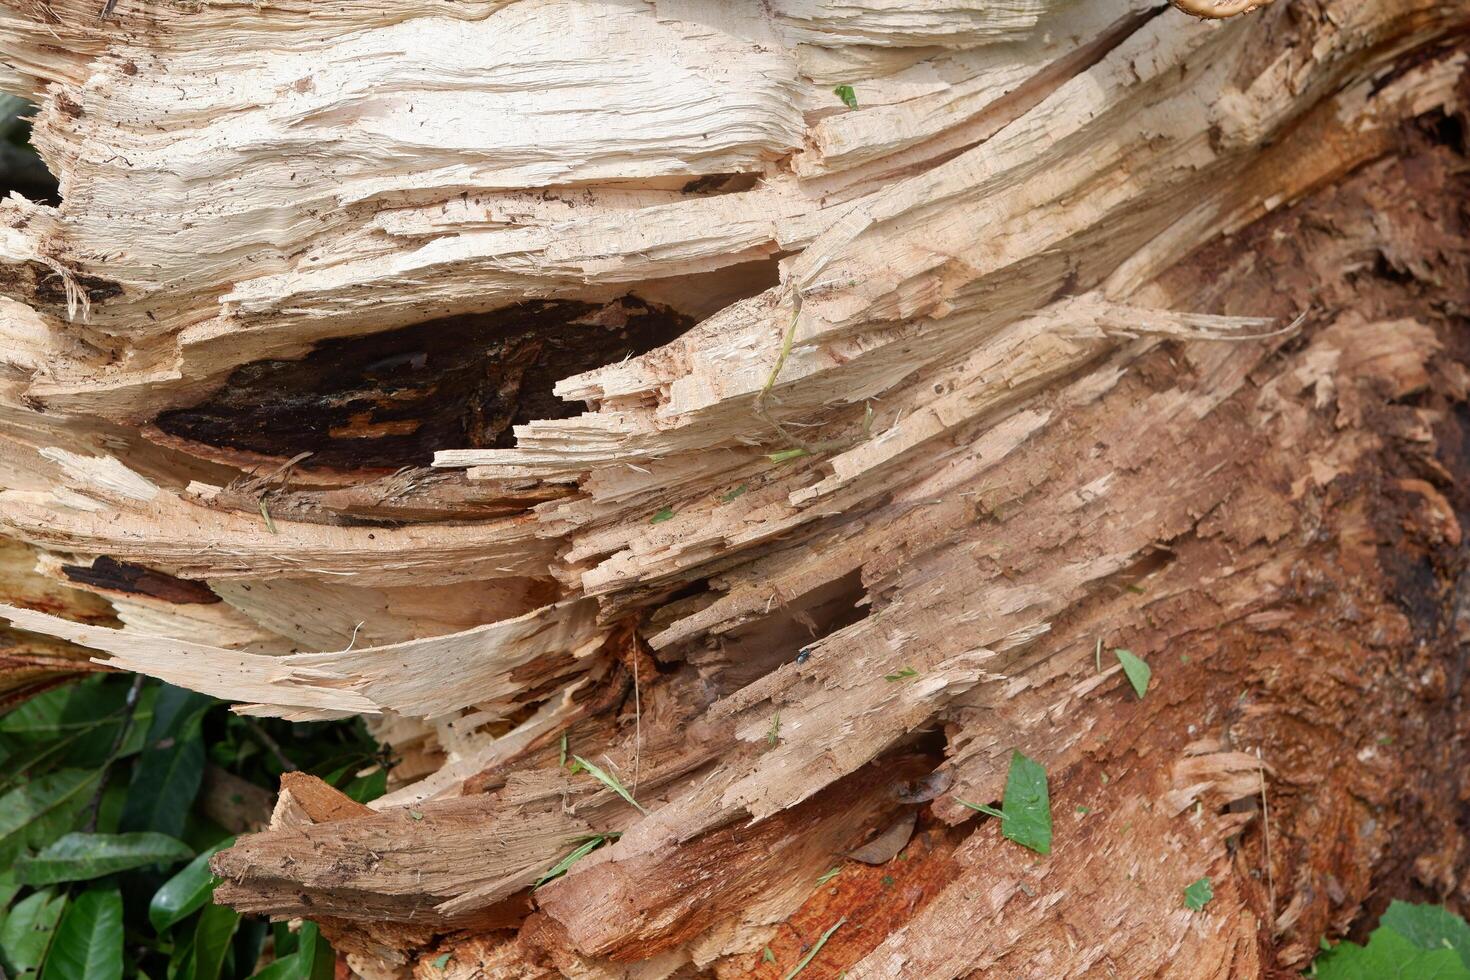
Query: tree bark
[{"x": 708, "y": 439}]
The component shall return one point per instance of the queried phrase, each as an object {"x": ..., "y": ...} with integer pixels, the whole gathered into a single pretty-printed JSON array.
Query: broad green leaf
[
  {"x": 217, "y": 925},
  {"x": 1198, "y": 894},
  {"x": 34, "y": 814},
  {"x": 165, "y": 781},
  {"x": 65, "y": 709},
  {"x": 365, "y": 789},
  {"x": 1429, "y": 927},
  {"x": 1026, "y": 805},
  {"x": 1136, "y": 668},
  {"x": 282, "y": 968},
  {"x": 175, "y": 710},
  {"x": 27, "y": 930},
  {"x": 847, "y": 95},
  {"x": 89, "y": 941},
  {"x": 249, "y": 941},
  {"x": 316, "y": 952},
  {"x": 1389, "y": 956},
  {"x": 185, "y": 892},
  {"x": 75, "y": 729},
  {"x": 80, "y": 857},
  {"x": 8, "y": 889},
  {"x": 611, "y": 782}
]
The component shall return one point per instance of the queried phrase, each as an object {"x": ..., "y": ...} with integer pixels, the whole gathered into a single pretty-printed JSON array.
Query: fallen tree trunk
[{"x": 1056, "y": 329}]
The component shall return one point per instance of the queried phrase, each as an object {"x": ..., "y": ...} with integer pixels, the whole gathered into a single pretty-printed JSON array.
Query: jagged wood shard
[{"x": 785, "y": 408}]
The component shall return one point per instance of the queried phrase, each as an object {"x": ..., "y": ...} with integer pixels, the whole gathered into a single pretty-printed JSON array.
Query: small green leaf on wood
[
  {"x": 725, "y": 498},
  {"x": 768, "y": 956},
  {"x": 901, "y": 675},
  {"x": 416, "y": 814},
  {"x": 1198, "y": 894},
  {"x": 442, "y": 960},
  {"x": 786, "y": 455},
  {"x": 847, "y": 95},
  {"x": 774, "y": 735},
  {"x": 829, "y": 876},
  {"x": 611, "y": 782},
  {"x": 664, "y": 514},
  {"x": 1027, "y": 805},
  {"x": 1136, "y": 668},
  {"x": 562, "y": 760},
  {"x": 816, "y": 948},
  {"x": 578, "y": 853}
]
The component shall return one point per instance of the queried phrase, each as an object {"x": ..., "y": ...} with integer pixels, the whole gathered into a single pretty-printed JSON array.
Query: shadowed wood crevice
[{"x": 390, "y": 399}]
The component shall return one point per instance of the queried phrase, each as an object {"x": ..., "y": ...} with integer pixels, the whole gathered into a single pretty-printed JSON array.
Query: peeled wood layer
[{"x": 935, "y": 413}]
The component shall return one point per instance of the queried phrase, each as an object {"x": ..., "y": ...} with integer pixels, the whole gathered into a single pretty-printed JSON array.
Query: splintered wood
[{"x": 708, "y": 438}]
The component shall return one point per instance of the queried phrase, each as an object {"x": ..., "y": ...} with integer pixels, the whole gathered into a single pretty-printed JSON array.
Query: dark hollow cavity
[{"x": 391, "y": 399}]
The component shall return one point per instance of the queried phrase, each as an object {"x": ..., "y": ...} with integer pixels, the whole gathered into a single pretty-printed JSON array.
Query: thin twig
[
  {"x": 637, "y": 720},
  {"x": 806, "y": 448},
  {"x": 1266, "y": 824},
  {"x": 816, "y": 948},
  {"x": 130, "y": 706},
  {"x": 270, "y": 744}
]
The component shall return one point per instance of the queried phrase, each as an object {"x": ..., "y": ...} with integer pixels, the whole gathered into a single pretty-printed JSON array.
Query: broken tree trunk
[{"x": 561, "y": 380}]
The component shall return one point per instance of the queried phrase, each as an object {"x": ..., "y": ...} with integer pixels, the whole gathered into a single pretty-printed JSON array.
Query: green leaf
[
  {"x": 847, "y": 95},
  {"x": 767, "y": 956},
  {"x": 1026, "y": 805},
  {"x": 1136, "y": 668},
  {"x": 901, "y": 675},
  {"x": 80, "y": 857},
  {"x": 441, "y": 961},
  {"x": 365, "y": 789},
  {"x": 786, "y": 455},
  {"x": 611, "y": 782},
  {"x": 312, "y": 958},
  {"x": 165, "y": 781},
  {"x": 66, "y": 710},
  {"x": 664, "y": 514},
  {"x": 89, "y": 941},
  {"x": 217, "y": 925},
  {"x": 728, "y": 496},
  {"x": 833, "y": 873},
  {"x": 582, "y": 850},
  {"x": 185, "y": 892},
  {"x": 8, "y": 889},
  {"x": 317, "y": 955},
  {"x": 34, "y": 814},
  {"x": 26, "y": 934},
  {"x": 1198, "y": 894},
  {"x": 1429, "y": 927},
  {"x": 562, "y": 761},
  {"x": 1389, "y": 955}
]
